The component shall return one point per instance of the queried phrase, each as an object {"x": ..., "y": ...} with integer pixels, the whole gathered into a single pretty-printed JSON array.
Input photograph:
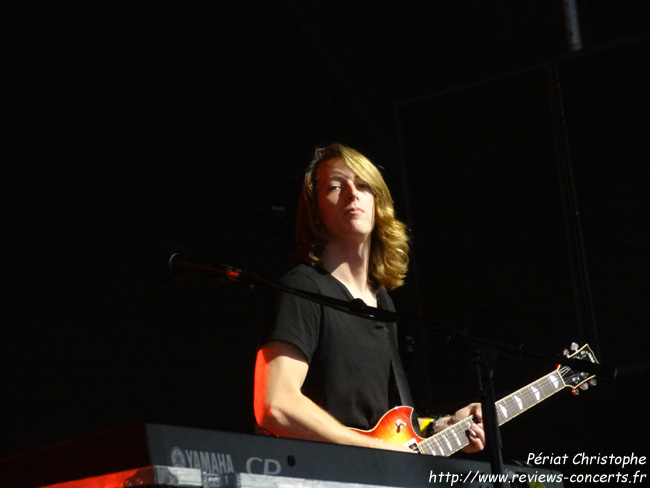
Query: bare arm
[{"x": 281, "y": 408}]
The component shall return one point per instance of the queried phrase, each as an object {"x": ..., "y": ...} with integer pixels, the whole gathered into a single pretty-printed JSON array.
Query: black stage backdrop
[
  {"x": 130, "y": 123},
  {"x": 526, "y": 199}
]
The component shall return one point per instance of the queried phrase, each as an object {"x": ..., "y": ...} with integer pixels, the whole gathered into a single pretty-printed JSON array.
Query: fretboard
[{"x": 454, "y": 438}]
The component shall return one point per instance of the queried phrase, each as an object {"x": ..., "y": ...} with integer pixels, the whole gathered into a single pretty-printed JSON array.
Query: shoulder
[{"x": 304, "y": 277}]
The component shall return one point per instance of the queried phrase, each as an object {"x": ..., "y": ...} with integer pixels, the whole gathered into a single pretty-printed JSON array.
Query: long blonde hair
[{"x": 389, "y": 245}]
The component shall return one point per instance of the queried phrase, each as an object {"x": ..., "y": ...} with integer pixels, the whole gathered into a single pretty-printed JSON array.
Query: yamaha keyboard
[{"x": 218, "y": 459}]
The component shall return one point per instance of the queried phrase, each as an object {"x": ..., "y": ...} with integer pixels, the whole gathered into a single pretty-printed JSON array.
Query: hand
[{"x": 476, "y": 434}]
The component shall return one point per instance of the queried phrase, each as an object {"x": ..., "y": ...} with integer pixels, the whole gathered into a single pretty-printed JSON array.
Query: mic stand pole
[{"x": 485, "y": 359}]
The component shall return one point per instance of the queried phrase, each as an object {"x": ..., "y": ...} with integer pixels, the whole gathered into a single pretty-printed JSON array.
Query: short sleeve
[{"x": 294, "y": 319}]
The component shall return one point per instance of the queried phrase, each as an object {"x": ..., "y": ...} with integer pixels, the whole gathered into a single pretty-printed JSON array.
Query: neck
[{"x": 350, "y": 265}]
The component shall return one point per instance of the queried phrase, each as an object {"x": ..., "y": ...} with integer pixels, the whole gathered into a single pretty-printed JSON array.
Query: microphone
[{"x": 177, "y": 263}]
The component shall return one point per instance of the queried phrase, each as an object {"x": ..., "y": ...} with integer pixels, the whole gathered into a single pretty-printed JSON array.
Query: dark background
[{"x": 130, "y": 123}]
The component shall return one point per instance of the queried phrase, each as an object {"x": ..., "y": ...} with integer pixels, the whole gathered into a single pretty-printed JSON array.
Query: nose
[{"x": 353, "y": 192}]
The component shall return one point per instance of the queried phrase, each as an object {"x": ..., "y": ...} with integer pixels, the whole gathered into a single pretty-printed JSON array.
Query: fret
[
  {"x": 457, "y": 441},
  {"x": 527, "y": 397},
  {"x": 554, "y": 381},
  {"x": 448, "y": 441},
  {"x": 537, "y": 394},
  {"x": 447, "y": 444},
  {"x": 434, "y": 443},
  {"x": 511, "y": 406},
  {"x": 502, "y": 413}
]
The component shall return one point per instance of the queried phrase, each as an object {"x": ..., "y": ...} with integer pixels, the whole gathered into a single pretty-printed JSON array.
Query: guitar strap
[
  {"x": 395, "y": 361},
  {"x": 398, "y": 371}
]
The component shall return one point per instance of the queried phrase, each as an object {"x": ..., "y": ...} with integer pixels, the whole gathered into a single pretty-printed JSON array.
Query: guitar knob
[
  {"x": 574, "y": 346},
  {"x": 584, "y": 386},
  {"x": 575, "y": 392},
  {"x": 592, "y": 382}
]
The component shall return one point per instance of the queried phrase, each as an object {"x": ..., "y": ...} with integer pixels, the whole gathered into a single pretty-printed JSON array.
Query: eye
[{"x": 364, "y": 186}]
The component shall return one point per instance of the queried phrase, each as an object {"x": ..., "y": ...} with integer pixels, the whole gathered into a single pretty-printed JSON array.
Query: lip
[{"x": 354, "y": 210}]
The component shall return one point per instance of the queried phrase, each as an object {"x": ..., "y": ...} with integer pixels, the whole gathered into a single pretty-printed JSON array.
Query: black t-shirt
[{"x": 349, "y": 357}]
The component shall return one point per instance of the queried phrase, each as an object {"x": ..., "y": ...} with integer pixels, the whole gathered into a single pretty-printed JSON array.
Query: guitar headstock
[{"x": 574, "y": 379}]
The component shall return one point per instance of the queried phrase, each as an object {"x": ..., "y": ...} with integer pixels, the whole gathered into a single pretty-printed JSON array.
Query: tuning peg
[
  {"x": 565, "y": 352},
  {"x": 574, "y": 346},
  {"x": 575, "y": 392},
  {"x": 592, "y": 382},
  {"x": 584, "y": 386}
]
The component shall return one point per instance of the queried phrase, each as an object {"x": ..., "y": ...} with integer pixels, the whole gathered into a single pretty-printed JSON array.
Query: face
[{"x": 346, "y": 202}]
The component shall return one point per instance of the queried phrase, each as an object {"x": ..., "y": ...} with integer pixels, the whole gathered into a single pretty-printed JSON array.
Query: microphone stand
[
  {"x": 485, "y": 349},
  {"x": 485, "y": 359}
]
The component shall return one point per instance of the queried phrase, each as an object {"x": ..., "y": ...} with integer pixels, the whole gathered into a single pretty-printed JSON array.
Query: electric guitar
[{"x": 395, "y": 425}]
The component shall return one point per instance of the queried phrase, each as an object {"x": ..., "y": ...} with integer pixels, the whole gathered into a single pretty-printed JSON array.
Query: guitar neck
[{"x": 454, "y": 438}]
